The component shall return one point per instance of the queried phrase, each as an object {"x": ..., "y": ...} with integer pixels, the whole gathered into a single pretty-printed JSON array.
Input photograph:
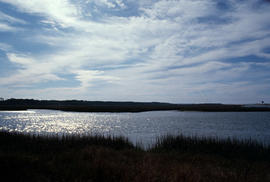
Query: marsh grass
[
  {"x": 25, "y": 157},
  {"x": 230, "y": 148}
]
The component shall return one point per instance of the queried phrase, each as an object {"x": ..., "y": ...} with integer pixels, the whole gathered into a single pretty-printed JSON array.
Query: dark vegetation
[
  {"x": 99, "y": 106},
  {"x": 222, "y": 108},
  {"x": 99, "y": 158},
  {"x": 84, "y": 106}
]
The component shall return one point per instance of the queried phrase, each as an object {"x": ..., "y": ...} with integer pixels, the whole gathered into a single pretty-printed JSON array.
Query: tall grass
[
  {"x": 25, "y": 157},
  {"x": 55, "y": 142},
  {"x": 230, "y": 147}
]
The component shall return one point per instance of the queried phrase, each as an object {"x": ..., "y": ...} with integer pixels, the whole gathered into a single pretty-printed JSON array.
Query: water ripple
[{"x": 140, "y": 127}]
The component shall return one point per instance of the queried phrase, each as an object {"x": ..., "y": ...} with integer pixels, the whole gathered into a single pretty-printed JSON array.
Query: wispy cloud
[
  {"x": 61, "y": 11},
  {"x": 7, "y": 23},
  {"x": 10, "y": 19},
  {"x": 5, "y": 47},
  {"x": 4, "y": 27},
  {"x": 89, "y": 78},
  {"x": 168, "y": 50}
]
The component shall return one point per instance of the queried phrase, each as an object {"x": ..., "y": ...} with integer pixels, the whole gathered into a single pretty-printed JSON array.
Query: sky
[{"x": 178, "y": 51}]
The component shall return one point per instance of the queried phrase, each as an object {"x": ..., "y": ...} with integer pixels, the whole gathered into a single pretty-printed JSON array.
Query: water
[{"x": 142, "y": 127}]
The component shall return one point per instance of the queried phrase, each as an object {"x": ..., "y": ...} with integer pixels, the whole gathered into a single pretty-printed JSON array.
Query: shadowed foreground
[{"x": 99, "y": 158}]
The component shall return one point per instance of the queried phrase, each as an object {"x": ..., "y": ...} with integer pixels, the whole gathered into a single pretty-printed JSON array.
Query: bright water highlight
[{"x": 143, "y": 127}]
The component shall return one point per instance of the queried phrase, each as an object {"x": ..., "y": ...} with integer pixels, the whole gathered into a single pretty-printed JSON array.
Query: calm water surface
[{"x": 142, "y": 127}]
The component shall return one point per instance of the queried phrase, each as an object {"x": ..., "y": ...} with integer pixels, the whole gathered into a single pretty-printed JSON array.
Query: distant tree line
[{"x": 110, "y": 106}]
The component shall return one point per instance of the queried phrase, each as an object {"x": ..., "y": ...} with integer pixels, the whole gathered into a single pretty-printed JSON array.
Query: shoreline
[{"x": 102, "y": 106}]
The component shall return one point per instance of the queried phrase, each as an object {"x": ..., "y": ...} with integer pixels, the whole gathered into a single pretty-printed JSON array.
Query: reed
[
  {"x": 231, "y": 147},
  {"x": 25, "y": 157}
]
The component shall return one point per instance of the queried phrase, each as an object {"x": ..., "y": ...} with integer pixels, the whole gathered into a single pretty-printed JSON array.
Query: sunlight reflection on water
[
  {"x": 142, "y": 127},
  {"x": 23, "y": 111}
]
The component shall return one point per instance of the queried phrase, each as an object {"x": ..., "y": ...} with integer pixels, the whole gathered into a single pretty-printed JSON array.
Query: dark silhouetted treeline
[
  {"x": 102, "y": 106},
  {"x": 221, "y": 108},
  {"x": 84, "y": 106}
]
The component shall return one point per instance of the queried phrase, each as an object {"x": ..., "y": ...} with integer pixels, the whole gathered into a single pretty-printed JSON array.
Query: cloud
[
  {"x": 22, "y": 79},
  {"x": 165, "y": 47},
  {"x": 29, "y": 72},
  {"x": 107, "y": 3},
  {"x": 7, "y": 28},
  {"x": 7, "y": 23},
  {"x": 61, "y": 11},
  {"x": 5, "y": 47},
  {"x": 120, "y": 3},
  {"x": 89, "y": 77},
  {"x": 22, "y": 60},
  {"x": 111, "y": 4},
  {"x": 11, "y": 19},
  {"x": 179, "y": 10}
]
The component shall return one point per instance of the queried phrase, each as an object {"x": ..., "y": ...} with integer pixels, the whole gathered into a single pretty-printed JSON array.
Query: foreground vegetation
[{"x": 99, "y": 158}]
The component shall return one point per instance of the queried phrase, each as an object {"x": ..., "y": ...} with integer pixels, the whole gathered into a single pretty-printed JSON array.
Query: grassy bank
[{"x": 99, "y": 158}]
